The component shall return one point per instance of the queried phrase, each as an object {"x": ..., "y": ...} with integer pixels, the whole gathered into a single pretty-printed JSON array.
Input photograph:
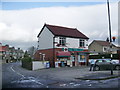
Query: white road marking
[
  {"x": 17, "y": 72},
  {"x": 12, "y": 69},
  {"x": 33, "y": 79}
]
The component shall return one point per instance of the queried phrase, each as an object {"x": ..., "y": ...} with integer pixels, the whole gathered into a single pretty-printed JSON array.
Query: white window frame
[
  {"x": 82, "y": 43},
  {"x": 62, "y": 41},
  {"x": 107, "y": 49}
]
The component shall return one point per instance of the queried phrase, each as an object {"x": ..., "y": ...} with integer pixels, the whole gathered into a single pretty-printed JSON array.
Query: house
[
  {"x": 16, "y": 54},
  {"x": 19, "y": 53},
  {"x": 9, "y": 54},
  {"x": 4, "y": 53},
  {"x": 62, "y": 45},
  {"x": 100, "y": 46}
]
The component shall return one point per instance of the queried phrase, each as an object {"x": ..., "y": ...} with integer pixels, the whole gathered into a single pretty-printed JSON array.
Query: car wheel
[
  {"x": 97, "y": 68},
  {"x": 117, "y": 67}
]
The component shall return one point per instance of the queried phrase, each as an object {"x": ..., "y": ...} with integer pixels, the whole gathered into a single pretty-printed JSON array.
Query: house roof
[
  {"x": 3, "y": 48},
  {"x": 103, "y": 43},
  {"x": 118, "y": 47},
  {"x": 64, "y": 31}
]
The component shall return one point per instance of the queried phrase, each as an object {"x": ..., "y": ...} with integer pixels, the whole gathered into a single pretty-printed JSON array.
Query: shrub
[
  {"x": 27, "y": 59},
  {"x": 106, "y": 56},
  {"x": 27, "y": 62}
]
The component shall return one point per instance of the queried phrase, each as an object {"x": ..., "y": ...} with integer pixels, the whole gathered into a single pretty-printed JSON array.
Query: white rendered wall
[
  {"x": 37, "y": 65},
  {"x": 71, "y": 42},
  {"x": 45, "y": 39}
]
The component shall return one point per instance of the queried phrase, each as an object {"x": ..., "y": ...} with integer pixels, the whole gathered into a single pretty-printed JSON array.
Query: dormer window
[
  {"x": 82, "y": 43},
  {"x": 62, "y": 41}
]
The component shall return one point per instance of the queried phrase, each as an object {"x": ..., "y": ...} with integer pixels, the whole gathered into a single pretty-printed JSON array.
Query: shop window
[
  {"x": 62, "y": 41},
  {"x": 81, "y": 58}
]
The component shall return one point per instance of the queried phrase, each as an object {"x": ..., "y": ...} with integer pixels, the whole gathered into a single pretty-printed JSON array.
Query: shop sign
[{"x": 73, "y": 49}]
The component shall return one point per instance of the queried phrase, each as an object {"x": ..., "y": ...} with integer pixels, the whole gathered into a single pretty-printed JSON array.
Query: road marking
[
  {"x": 12, "y": 69},
  {"x": 16, "y": 72},
  {"x": 26, "y": 77}
]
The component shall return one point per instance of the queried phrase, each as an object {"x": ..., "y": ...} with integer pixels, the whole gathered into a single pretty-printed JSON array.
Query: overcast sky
[{"x": 20, "y": 23}]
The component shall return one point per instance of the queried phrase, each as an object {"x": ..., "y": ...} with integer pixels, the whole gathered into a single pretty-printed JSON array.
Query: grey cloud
[{"x": 20, "y": 28}]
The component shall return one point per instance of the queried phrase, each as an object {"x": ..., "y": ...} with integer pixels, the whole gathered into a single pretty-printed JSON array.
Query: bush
[
  {"x": 106, "y": 56},
  {"x": 27, "y": 62},
  {"x": 27, "y": 59}
]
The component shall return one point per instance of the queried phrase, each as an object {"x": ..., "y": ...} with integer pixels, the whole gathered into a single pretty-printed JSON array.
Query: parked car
[
  {"x": 115, "y": 61},
  {"x": 106, "y": 65}
]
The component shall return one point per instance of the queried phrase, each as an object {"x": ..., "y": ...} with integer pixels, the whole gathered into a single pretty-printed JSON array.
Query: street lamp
[{"x": 110, "y": 35}]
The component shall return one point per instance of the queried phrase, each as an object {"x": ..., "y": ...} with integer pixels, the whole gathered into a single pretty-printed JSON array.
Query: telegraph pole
[
  {"x": 110, "y": 35},
  {"x": 109, "y": 21}
]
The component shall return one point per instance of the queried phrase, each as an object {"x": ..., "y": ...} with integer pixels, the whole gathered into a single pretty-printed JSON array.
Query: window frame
[
  {"x": 62, "y": 41},
  {"x": 81, "y": 43}
]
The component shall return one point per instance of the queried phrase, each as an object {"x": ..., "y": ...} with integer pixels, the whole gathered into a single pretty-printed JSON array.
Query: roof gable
[{"x": 64, "y": 31}]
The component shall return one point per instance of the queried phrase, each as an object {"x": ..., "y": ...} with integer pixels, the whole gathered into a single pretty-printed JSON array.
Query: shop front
[
  {"x": 82, "y": 58},
  {"x": 63, "y": 58},
  {"x": 72, "y": 57}
]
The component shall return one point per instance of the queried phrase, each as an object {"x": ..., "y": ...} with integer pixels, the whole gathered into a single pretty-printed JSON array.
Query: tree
[{"x": 31, "y": 51}]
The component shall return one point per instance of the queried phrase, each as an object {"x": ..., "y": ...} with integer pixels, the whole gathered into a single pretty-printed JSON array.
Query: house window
[
  {"x": 105, "y": 49},
  {"x": 38, "y": 46},
  {"x": 62, "y": 41},
  {"x": 82, "y": 43}
]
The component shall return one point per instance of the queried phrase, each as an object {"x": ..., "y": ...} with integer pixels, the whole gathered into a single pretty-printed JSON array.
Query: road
[{"x": 14, "y": 76}]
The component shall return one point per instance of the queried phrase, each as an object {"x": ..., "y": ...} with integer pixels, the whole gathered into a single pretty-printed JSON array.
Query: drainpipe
[{"x": 53, "y": 61}]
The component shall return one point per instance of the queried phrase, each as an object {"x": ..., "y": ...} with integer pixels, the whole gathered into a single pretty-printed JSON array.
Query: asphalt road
[{"x": 14, "y": 76}]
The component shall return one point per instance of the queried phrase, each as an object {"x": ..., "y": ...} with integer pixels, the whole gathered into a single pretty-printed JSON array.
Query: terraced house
[
  {"x": 62, "y": 46},
  {"x": 10, "y": 54}
]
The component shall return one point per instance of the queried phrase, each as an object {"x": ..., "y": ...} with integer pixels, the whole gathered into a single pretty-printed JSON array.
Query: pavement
[
  {"x": 82, "y": 72},
  {"x": 99, "y": 76}
]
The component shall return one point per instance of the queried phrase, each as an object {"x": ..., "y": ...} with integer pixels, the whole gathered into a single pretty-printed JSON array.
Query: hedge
[
  {"x": 106, "y": 56},
  {"x": 27, "y": 62}
]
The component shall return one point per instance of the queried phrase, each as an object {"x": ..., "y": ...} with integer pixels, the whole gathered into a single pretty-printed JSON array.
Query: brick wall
[
  {"x": 49, "y": 56},
  {"x": 52, "y": 58}
]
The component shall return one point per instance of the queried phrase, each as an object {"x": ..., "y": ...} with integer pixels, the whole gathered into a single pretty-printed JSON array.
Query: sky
[{"x": 21, "y": 22}]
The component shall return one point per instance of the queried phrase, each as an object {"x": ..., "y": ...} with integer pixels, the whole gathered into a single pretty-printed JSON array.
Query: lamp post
[
  {"x": 109, "y": 21},
  {"x": 110, "y": 35}
]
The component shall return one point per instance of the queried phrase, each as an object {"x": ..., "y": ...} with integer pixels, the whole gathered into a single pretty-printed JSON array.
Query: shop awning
[{"x": 63, "y": 54}]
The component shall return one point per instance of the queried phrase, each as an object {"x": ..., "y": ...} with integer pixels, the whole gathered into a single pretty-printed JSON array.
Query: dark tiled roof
[
  {"x": 103, "y": 43},
  {"x": 65, "y": 32}
]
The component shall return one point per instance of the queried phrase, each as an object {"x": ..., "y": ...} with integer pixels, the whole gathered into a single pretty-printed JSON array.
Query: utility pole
[
  {"x": 109, "y": 21},
  {"x": 110, "y": 35}
]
